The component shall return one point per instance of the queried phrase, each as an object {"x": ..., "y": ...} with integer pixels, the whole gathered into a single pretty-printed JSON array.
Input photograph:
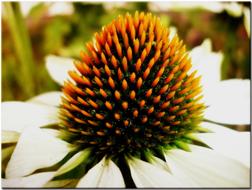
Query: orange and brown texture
[
  {"x": 130, "y": 114},
  {"x": 133, "y": 91}
]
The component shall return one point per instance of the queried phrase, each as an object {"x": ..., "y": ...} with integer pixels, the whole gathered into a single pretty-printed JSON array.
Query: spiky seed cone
[{"x": 132, "y": 90}]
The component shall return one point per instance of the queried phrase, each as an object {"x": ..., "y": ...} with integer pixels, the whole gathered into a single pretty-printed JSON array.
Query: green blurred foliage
[{"x": 66, "y": 35}]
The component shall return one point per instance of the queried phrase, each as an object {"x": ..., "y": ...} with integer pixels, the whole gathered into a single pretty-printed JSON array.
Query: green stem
[{"x": 22, "y": 46}]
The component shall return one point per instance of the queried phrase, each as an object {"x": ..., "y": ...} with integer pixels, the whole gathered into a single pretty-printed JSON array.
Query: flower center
[{"x": 131, "y": 90}]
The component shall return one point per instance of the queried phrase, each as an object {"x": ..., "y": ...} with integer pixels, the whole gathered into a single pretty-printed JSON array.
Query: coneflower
[
  {"x": 130, "y": 115},
  {"x": 132, "y": 91}
]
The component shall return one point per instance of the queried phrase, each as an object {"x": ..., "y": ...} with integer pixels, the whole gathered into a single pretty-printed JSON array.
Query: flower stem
[{"x": 22, "y": 46}]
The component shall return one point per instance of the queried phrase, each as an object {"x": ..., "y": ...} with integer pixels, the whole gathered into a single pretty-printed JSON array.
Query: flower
[{"x": 130, "y": 115}]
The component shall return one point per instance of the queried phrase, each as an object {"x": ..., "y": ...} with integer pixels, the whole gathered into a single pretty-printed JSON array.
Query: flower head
[{"x": 131, "y": 91}]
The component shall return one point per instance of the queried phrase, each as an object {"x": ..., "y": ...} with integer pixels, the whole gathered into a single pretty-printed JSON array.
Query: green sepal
[
  {"x": 192, "y": 136},
  {"x": 76, "y": 160},
  {"x": 202, "y": 129},
  {"x": 182, "y": 145},
  {"x": 66, "y": 135},
  {"x": 156, "y": 161},
  {"x": 148, "y": 155},
  {"x": 168, "y": 147}
]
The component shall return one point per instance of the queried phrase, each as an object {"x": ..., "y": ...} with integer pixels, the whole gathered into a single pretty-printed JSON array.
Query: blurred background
[{"x": 30, "y": 31}]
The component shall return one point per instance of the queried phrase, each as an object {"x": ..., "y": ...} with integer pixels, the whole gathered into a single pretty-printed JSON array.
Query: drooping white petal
[
  {"x": 229, "y": 102},
  {"x": 147, "y": 175},
  {"x": 18, "y": 115},
  {"x": 233, "y": 145},
  {"x": 36, "y": 148},
  {"x": 226, "y": 141},
  {"x": 103, "y": 174},
  {"x": 58, "y": 68},
  {"x": 9, "y": 136},
  {"x": 32, "y": 181},
  {"x": 236, "y": 146},
  {"x": 207, "y": 168},
  {"x": 207, "y": 64},
  {"x": 48, "y": 98}
]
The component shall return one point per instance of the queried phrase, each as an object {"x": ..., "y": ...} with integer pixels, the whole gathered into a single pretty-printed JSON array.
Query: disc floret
[{"x": 131, "y": 90}]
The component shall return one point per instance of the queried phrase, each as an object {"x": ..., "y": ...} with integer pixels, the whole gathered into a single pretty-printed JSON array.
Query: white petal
[
  {"x": 207, "y": 64},
  {"x": 9, "y": 136},
  {"x": 229, "y": 102},
  {"x": 207, "y": 168},
  {"x": 26, "y": 7},
  {"x": 173, "y": 32},
  {"x": 61, "y": 8},
  {"x": 58, "y": 68},
  {"x": 32, "y": 181},
  {"x": 236, "y": 146},
  {"x": 233, "y": 145},
  {"x": 233, "y": 8},
  {"x": 19, "y": 115},
  {"x": 110, "y": 6},
  {"x": 36, "y": 148},
  {"x": 48, "y": 98},
  {"x": 103, "y": 174},
  {"x": 147, "y": 175},
  {"x": 247, "y": 20}
]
